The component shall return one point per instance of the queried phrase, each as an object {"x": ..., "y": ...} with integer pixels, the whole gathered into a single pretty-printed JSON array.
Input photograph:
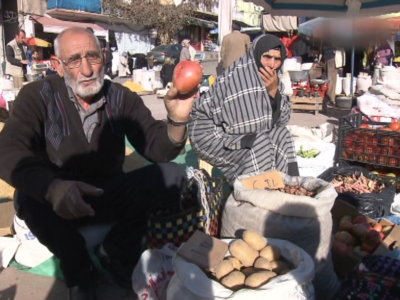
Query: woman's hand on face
[{"x": 270, "y": 79}]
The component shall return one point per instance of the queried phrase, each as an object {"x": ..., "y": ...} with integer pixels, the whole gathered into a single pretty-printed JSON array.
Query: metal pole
[
  {"x": 352, "y": 71},
  {"x": 352, "y": 60}
]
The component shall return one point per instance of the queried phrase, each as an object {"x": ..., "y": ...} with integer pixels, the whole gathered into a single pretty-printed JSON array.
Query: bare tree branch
[{"x": 161, "y": 14}]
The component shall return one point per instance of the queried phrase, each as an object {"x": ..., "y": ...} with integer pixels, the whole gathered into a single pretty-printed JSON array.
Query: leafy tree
[{"x": 164, "y": 15}]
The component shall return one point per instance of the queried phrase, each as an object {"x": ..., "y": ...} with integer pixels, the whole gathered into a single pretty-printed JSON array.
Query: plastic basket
[{"x": 370, "y": 146}]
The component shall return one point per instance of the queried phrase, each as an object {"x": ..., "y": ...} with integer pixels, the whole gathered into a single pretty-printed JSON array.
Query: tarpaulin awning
[
  {"x": 328, "y": 8},
  {"x": 202, "y": 23},
  {"x": 347, "y": 29},
  {"x": 279, "y": 23},
  {"x": 53, "y": 25}
]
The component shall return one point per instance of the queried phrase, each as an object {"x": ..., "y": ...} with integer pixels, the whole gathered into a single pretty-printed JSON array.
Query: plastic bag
[
  {"x": 153, "y": 273},
  {"x": 190, "y": 282},
  {"x": 31, "y": 252},
  {"x": 325, "y": 158},
  {"x": 372, "y": 205}
]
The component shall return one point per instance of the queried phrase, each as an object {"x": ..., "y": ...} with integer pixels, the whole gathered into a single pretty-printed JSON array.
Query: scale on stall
[{"x": 36, "y": 70}]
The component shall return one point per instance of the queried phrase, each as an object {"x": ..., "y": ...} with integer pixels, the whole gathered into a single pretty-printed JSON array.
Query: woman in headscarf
[{"x": 239, "y": 125}]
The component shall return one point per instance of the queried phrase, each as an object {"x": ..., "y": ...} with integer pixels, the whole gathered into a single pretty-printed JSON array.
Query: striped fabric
[{"x": 236, "y": 107}]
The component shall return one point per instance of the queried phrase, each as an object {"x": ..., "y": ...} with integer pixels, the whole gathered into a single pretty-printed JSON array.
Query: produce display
[
  {"x": 297, "y": 190},
  {"x": 252, "y": 263},
  {"x": 307, "y": 153},
  {"x": 187, "y": 76},
  {"x": 358, "y": 184},
  {"x": 378, "y": 146},
  {"x": 358, "y": 236}
]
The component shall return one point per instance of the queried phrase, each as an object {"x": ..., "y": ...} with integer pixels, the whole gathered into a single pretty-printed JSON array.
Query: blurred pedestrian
[
  {"x": 185, "y": 53},
  {"x": 167, "y": 71},
  {"x": 192, "y": 52},
  {"x": 234, "y": 46},
  {"x": 384, "y": 53},
  {"x": 326, "y": 67},
  {"x": 123, "y": 65},
  {"x": 151, "y": 62},
  {"x": 17, "y": 58}
]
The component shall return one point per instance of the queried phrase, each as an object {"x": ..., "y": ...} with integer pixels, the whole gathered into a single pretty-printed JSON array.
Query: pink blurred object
[{"x": 3, "y": 102}]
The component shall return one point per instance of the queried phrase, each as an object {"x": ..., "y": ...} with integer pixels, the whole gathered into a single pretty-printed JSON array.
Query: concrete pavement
[{"x": 156, "y": 105}]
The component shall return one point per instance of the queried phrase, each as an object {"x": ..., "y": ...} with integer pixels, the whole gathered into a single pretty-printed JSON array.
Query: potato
[
  {"x": 345, "y": 225},
  {"x": 345, "y": 237},
  {"x": 235, "y": 262},
  {"x": 234, "y": 280},
  {"x": 243, "y": 252},
  {"x": 278, "y": 266},
  {"x": 249, "y": 271},
  {"x": 271, "y": 253},
  {"x": 254, "y": 240},
  {"x": 346, "y": 218},
  {"x": 262, "y": 263},
  {"x": 223, "y": 269},
  {"x": 258, "y": 279}
]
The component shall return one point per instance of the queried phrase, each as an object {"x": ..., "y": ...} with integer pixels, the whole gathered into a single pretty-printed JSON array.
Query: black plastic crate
[
  {"x": 371, "y": 146},
  {"x": 381, "y": 171}
]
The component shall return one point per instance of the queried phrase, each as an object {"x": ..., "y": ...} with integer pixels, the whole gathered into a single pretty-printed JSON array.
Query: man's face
[
  {"x": 272, "y": 59},
  {"x": 20, "y": 37},
  {"x": 87, "y": 79}
]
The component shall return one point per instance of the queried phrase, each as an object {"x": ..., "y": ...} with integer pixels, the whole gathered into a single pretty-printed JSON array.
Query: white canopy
[{"x": 279, "y": 23}]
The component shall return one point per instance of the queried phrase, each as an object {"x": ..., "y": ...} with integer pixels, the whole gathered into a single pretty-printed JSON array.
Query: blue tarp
[{"x": 93, "y": 6}]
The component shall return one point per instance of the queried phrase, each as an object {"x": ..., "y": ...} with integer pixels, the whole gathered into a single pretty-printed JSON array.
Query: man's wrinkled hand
[
  {"x": 66, "y": 198},
  {"x": 270, "y": 79},
  {"x": 179, "y": 106}
]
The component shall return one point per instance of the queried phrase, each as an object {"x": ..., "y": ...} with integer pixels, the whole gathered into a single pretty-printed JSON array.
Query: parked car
[{"x": 162, "y": 51}]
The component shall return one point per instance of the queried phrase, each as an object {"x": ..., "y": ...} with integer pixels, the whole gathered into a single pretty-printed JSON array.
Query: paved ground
[{"x": 20, "y": 285}]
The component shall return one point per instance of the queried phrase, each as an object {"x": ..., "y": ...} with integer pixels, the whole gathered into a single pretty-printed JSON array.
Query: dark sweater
[
  {"x": 43, "y": 139},
  {"x": 167, "y": 72}
]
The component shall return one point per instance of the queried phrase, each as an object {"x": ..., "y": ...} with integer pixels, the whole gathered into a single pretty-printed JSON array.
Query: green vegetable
[{"x": 307, "y": 153}]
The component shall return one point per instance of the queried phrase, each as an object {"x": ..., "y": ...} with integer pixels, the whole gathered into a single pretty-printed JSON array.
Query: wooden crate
[{"x": 305, "y": 103}]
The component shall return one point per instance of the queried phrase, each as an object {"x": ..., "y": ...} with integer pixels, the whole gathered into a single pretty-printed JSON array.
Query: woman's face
[{"x": 272, "y": 59}]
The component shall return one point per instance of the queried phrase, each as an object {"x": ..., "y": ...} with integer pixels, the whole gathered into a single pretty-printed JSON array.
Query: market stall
[{"x": 268, "y": 235}]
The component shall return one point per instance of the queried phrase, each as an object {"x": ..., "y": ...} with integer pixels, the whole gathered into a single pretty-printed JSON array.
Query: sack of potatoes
[
  {"x": 254, "y": 268},
  {"x": 251, "y": 263}
]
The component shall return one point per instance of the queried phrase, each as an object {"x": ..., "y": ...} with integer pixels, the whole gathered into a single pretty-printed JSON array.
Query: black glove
[{"x": 66, "y": 198}]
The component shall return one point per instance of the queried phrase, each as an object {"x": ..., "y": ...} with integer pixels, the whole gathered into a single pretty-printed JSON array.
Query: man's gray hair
[{"x": 57, "y": 49}]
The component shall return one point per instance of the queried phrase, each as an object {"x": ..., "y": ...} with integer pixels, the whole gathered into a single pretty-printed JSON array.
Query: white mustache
[{"x": 80, "y": 80}]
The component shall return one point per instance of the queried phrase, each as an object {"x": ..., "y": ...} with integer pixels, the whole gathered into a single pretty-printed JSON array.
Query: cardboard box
[
  {"x": 344, "y": 264},
  {"x": 7, "y": 213},
  {"x": 203, "y": 250}
]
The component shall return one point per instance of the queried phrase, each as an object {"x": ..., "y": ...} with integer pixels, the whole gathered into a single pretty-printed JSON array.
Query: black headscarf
[{"x": 266, "y": 43}]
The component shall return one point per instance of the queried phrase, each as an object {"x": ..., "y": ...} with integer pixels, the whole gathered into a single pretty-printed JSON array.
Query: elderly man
[
  {"x": 63, "y": 149},
  {"x": 16, "y": 56}
]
